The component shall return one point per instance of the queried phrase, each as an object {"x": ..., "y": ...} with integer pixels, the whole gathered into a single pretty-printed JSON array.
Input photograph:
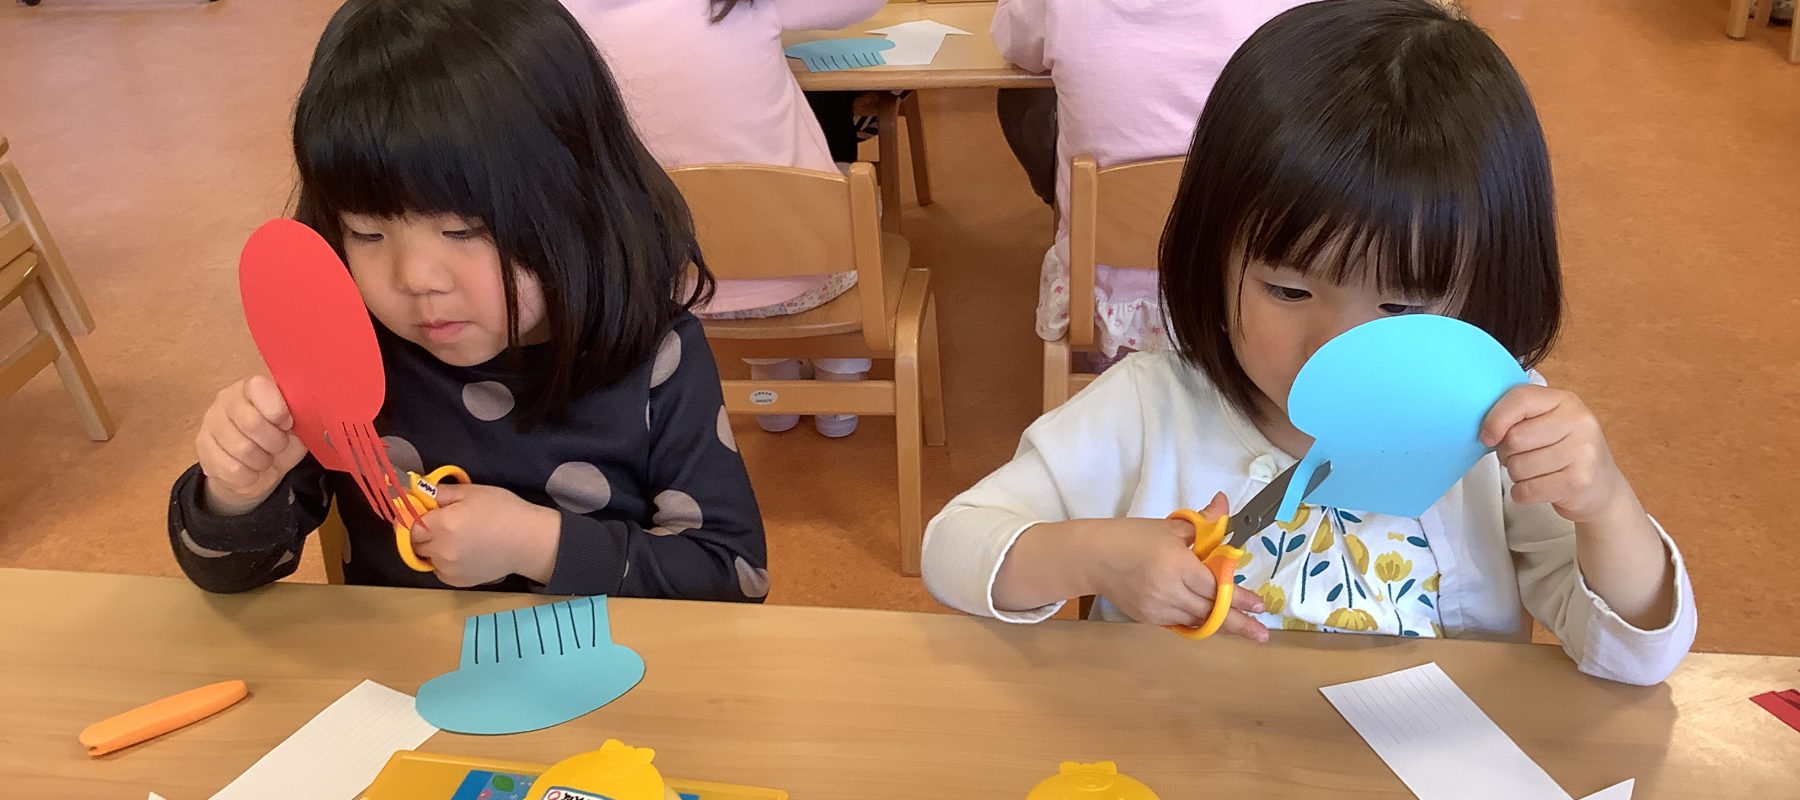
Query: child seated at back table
[
  {"x": 1131, "y": 78},
  {"x": 706, "y": 83}
]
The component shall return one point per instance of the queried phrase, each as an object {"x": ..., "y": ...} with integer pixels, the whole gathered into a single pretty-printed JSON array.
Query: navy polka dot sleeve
[{"x": 655, "y": 501}]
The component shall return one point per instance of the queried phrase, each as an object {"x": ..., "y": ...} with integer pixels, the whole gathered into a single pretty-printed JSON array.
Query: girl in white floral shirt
[{"x": 1357, "y": 159}]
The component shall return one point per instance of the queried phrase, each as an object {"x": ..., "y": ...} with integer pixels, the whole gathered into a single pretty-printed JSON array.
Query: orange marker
[{"x": 150, "y": 721}]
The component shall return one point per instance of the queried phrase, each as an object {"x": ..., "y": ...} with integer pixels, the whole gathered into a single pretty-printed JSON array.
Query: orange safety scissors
[
  {"x": 412, "y": 501},
  {"x": 1220, "y": 542}
]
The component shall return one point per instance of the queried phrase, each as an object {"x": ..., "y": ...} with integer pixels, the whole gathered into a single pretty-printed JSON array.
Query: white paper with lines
[
  {"x": 1437, "y": 740},
  {"x": 338, "y": 753}
]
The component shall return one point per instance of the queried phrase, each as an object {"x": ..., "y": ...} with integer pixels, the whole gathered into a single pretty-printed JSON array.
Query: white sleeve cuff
[
  {"x": 1614, "y": 649},
  {"x": 1038, "y": 614}
]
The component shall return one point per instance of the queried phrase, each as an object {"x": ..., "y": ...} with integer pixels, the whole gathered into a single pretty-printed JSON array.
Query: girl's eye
[
  {"x": 364, "y": 237},
  {"x": 1287, "y": 293},
  {"x": 464, "y": 233},
  {"x": 1400, "y": 309}
]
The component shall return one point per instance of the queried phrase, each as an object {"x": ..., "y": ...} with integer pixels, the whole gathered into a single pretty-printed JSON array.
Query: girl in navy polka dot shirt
[{"x": 528, "y": 264}]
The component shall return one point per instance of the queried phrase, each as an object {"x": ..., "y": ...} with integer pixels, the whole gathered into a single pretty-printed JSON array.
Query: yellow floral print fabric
[{"x": 1344, "y": 572}]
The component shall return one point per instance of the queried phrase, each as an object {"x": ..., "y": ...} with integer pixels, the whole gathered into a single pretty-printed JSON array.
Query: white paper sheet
[
  {"x": 337, "y": 754},
  {"x": 1619, "y": 791},
  {"x": 1437, "y": 740},
  {"x": 916, "y": 43}
]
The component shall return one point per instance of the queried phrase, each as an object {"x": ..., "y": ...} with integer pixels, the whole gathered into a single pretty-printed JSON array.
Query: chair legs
[
  {"x": 56, "y": 277},
  {"x": 1737, "y": 19},
  {"x": 931, "y": 377},
  {"x": 915, "y": 140},
  {"x": 69, "y": 365},
  {"x": 888, "y": 168},
  {"x": 1058, "y": 366}
]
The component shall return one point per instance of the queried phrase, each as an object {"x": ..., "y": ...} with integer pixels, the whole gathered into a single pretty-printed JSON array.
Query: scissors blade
[{"x": 1260, "y": 511}]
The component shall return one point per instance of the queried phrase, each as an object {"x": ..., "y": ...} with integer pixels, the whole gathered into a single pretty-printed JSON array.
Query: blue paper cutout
[
  {"x": 1396, "y": 406},
  {"x": 830, "y": 55},
  {"x": 531, "y": 668}
]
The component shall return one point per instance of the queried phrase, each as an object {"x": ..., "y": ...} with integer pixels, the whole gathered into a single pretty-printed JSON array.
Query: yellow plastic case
[{"x": 412, "y": 775}]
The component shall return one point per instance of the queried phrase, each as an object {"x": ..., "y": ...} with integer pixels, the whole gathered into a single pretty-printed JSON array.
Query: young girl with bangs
[
  {"x": 1356, "y": 159},
  {"x": 524, "y": 259}
]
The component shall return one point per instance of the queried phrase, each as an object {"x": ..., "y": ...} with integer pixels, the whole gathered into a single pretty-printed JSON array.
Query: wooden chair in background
[
  {"x": 770, "y": 222},
  {"x": 1116, "y": 218},
  {"x": 890, "y": 110},
  {"x": 17, "y": 203},
  {"x": 1738, "y": 18},
  {"x": 23, "y": 271}
]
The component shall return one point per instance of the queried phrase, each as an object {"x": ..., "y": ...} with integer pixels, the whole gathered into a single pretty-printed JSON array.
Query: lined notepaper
[
  {"x": 1437, "y": 740},
  {"x": 338, "y": 753}
]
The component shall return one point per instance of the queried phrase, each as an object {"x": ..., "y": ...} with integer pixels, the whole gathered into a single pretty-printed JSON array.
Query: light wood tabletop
[
  {"x": 965, "y": 62},
  {"x": 836, "y": 704}
]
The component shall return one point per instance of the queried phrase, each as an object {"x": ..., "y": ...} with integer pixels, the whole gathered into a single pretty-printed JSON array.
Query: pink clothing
[
  {"x": 1131, "y": 78},
  {"x": 704, "y": 93}
]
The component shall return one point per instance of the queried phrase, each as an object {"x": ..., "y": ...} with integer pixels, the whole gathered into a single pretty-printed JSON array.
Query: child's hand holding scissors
[{"x": 481, "y": 534}]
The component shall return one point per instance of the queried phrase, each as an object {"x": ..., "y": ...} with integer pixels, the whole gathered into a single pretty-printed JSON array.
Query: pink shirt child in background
[
  {"x": 701, "y": 92},
  {"x": 1131, "y": 78},
  {"x": 706, "y": 92}
]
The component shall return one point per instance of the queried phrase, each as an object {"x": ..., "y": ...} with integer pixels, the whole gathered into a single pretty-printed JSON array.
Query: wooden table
[
  {"x": 965, "y": 62},
  {"x": 843, "y": 705}
]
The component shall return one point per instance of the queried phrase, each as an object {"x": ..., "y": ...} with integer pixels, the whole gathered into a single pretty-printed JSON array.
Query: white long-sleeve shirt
[{"x": 1152, "y": 435}]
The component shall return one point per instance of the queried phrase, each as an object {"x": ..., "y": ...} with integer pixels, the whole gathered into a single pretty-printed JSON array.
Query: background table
[
  {"x": 836, "y": 704},
  {"x": 965, "y": 62}
]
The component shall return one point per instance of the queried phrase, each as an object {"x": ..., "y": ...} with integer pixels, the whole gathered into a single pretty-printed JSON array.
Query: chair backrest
[
  {"x": 757, "y": 221},
  {"x": 15, "y": 239},
  {"x": 1116, "y": 218}
]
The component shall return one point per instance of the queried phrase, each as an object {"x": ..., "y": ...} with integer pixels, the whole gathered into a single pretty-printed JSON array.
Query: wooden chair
[
  {"x": 1116, "y": 217},
  {"x": 22, "y": 278},
  {"x": 61, "y": 285},
  {"x": 890, "y": 109},
  {"x": 1737, "y": 24},
  {"x": 334, "y": 544},
  {"x": 769, "y": 222}
]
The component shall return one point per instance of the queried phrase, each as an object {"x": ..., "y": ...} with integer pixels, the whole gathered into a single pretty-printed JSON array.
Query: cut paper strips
[
  {"x": 338, "y": 753},
  {"x": 830, "y": 55},
  {"x": 532, "y": 668},
  {"x": 916, "y": 43},
  {"x": 315, "y": 335},
  {"x": 1784, "y": 705},
  {"x": 1440, "y": 744},
  {"x": 1396, "y": 406}
]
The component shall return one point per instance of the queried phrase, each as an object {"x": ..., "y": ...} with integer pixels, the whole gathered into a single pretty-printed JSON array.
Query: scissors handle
[
  {"x": 420, "y": 498},
  {"x": 1221, "y": 560}
]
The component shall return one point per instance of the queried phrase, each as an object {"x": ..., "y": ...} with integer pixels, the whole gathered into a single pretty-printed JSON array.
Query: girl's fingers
[
  {"x": 266, "y": 397},
  {"x": 258, "y": 430},
  {"x": 219, "y": 465},
  {"x": 1202, "y": 584},
  {"x": 1237, "y": 623},
  {"x": 1537, "y": 463},
  {"x": 1535, "y": 433},
  {"x": 1542, "y": 489},
  {"x": 1518, "y": 405},
  {"x": 422, "y": 534}
]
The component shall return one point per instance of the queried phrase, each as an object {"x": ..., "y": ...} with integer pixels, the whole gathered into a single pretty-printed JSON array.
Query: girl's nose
[{"x": 417, "y": 272}]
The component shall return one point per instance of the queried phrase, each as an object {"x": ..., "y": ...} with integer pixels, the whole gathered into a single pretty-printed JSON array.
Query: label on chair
[{"x": 763, "y": 397}]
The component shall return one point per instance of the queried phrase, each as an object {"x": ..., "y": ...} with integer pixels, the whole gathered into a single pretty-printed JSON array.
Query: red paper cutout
[
  {"x": 1784, "y": 705},
  {"x": 315, "y": 335}
]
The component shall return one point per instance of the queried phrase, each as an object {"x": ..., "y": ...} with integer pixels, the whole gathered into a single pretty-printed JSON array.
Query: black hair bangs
[
  {"x": 502, "y": 112},
  {"x": 1350, "y": 139}
]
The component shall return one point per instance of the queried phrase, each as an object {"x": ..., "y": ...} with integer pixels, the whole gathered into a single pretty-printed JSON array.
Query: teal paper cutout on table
[
  {"x": 531, "y": 668},
  {"x": 830, "y": 55},
  {"x": 1396, "y": 406}
]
